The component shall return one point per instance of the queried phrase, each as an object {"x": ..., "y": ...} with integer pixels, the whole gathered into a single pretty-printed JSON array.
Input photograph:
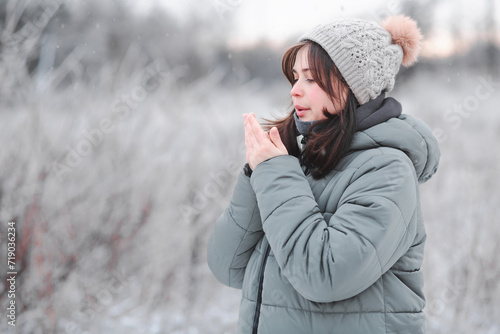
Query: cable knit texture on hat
[{"x": 365, "y": 53}]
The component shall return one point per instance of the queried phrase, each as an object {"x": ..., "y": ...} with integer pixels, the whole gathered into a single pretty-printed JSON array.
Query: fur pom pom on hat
[
  {"x": 405, "y": 33},
  {"x": 367, "y": 54}
]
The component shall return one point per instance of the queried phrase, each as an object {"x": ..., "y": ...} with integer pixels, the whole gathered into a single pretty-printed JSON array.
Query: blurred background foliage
[{"x": 122, "y": 138}]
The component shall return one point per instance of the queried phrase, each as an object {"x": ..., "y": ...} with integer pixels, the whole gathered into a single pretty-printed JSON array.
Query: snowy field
[
  {"x": 118, "y": 240},
  {"x": 115, "y": 183}
]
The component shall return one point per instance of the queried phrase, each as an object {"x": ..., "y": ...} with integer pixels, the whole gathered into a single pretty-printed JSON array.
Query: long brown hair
[{"x": 328, "y": 140}]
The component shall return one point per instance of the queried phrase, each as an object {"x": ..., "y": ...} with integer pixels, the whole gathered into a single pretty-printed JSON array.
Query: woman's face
[{"x": 308, "y": 98}]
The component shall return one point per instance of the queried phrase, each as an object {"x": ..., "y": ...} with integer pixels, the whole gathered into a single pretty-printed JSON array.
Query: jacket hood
[{"x": 404, "y": 132}]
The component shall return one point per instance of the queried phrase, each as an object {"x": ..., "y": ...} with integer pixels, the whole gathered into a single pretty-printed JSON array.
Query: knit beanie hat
[{"x": 367, "y": 54}]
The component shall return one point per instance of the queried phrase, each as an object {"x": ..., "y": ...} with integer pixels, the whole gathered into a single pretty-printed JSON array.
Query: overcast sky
[{"x": 278, "y": 20}]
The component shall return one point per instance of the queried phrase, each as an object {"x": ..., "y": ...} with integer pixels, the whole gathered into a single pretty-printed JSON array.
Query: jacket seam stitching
[
  {"x": 239, "y": 244},
  {"x": 283, "y": 203},
  {"x": 360, "y": 312},
  {"x": 334, "y": 312},
  {"x": 251, "y": 216},
  {"x": 389, "y": 199},
  {"x": 365, "y": 162},
  {"x": 406, "y": 225},
  {"x": 426, "y": 147}
]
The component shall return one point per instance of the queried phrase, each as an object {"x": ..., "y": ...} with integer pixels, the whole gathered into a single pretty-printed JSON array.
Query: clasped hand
[{"x": 260, "y": 145}]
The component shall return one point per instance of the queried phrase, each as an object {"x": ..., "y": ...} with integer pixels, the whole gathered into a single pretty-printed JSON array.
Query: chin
[{"x": 307, "y": 118}]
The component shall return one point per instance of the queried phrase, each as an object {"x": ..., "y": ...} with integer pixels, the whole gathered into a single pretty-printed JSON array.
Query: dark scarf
[
  {"x": 376, "y": 111},
  {"x": 302, "y": 126}
]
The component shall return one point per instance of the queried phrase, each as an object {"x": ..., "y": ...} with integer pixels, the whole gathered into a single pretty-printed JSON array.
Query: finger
[
  {"x": 247, "y": 133},
  {"x": 259, "y": 133},
  {"x": 249, "y": 125},
  {"x": 274, "y": 134},
  {"x": 248, "y": 144},
  {"x": 250, "y": 135}
]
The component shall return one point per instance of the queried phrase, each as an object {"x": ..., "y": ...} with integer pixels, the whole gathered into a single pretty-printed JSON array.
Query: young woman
[{"x": 324, "y": 232}]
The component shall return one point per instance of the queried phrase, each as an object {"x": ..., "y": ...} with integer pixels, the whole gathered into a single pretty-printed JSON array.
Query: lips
[{"x": 301, "y": 111}]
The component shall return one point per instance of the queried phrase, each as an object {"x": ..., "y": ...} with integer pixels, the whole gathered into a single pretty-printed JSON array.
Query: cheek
[{"x": 320, "y": 98}]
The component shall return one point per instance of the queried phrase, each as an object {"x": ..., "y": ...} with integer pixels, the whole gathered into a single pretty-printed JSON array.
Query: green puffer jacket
[{"x": 337, "y": 255}]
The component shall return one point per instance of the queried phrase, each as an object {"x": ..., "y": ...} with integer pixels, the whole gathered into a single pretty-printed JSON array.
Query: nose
[{"x": 296, "y": 90}]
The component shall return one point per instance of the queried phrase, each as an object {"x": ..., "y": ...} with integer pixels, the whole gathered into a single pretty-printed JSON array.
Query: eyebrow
[{"x": 303, "y": 70}]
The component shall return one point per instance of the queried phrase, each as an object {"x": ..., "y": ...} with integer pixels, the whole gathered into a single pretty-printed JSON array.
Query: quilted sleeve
[{"x": 235, "y": 235}]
